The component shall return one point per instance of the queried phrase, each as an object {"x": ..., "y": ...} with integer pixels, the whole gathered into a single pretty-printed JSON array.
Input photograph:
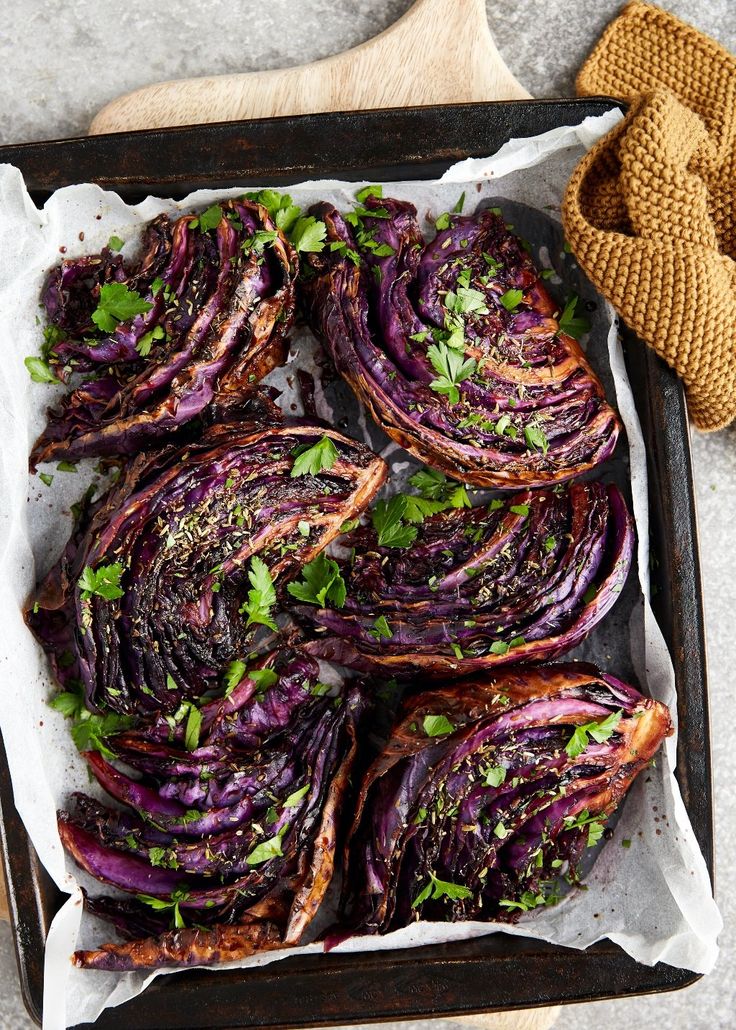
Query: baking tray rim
[{"x": 32, "y": 896}]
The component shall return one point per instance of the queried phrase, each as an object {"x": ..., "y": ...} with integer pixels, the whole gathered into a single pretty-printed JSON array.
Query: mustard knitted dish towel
[{"x": 650, "y": 212}]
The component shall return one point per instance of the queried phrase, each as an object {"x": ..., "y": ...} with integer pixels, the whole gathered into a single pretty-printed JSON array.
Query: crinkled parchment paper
[{"x": 653, "y": 898}]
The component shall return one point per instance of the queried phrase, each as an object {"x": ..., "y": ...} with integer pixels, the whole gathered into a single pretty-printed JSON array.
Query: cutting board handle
[{"x": 439, "y": 52}]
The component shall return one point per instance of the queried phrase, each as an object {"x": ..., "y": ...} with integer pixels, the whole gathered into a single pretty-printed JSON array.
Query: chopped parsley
[
  {"x": 104, "y": 581},
  {"x": 511, "y": 299},
  {"x": 381, "y": 628},
  {"x": 535, "y": 439},
  {"x": 117, "y": 304},
  {"x": 388, "y": 521},
  {"x": 310, "y": 461},
  {"x": 435, "y": 486},
  {"x": 494, "y": 776},
  {"x": 374, "y": 190},
  {"x": 39, "y": 370},
  {"x": 293, "y": 799},
  {"x": 322, "y": 583},
  {"x": 437, "y": 725},
  {"x": 572, "y": 324},
  {"x": 233, "y": 675},
  {"x": 594, "y": 826},
  {"x": 89, "y": 731},
  {"x": 160, "y": 905},
  {"x": 465, "y": 301},
  {"x": 442, "y": 889},
  {"x": 266, "y": 849},
  {"x": 209, "y": 219},
  {"x": 146, "y": 341},
  {"x": 262, "y": 597},
  {"x": 599, "y": 731},
  {"x": 308, "y": 235},
  {"x": 452, "y": 368},
  {"x": 193, "y": 728}
]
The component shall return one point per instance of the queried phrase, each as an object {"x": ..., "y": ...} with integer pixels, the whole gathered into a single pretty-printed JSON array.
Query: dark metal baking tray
[{"x": 485, "y": 974}]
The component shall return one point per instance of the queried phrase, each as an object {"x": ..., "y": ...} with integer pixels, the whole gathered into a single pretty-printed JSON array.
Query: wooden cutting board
[{"x": 439, "y": 52}]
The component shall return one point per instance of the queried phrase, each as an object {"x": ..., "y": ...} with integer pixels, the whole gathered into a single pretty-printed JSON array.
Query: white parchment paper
[{"x": 653, "y": 898}]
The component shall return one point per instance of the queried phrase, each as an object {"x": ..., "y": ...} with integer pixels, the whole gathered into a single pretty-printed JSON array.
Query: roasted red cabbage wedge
[
  {"x": 199, "y": 319},
  {"x": 489, "y": 790},
  {"x": 524, "y": 579},
  {"x": 233, "y": 832},
  {"x": 169, "y": 575},
  {"x": 455, "y": 346}
]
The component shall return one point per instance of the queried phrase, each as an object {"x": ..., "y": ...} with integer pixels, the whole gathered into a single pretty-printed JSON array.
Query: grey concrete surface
[{"x": 59, "y": 63}]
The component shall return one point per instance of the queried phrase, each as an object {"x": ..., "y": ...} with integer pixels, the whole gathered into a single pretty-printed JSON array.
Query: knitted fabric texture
[{"x": 650, "y": 212}]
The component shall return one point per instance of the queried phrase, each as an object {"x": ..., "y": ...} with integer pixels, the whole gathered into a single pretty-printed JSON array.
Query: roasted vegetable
[
  {"x": 197, "y": 321},
  {"x": 455, "y": 346},
  {"x": 233, "y": 831},
  {"x": 169, "y": 575},
  {"x": 517, "y": 580},
  {"x": 489, "y": 790}
]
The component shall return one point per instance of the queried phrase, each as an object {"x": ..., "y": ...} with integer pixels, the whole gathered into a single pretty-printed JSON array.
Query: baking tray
[{"x": 487, "y": 973}]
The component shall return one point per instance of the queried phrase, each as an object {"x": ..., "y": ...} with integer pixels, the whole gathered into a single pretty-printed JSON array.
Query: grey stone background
[{"x": 59, "y": 63}]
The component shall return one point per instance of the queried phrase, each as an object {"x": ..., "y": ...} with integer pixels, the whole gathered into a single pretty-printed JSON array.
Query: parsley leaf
[
  {"x": 89, "y": 730},
  {"x": 418, "y": 508},
  {"x": 460, "y": 204},
  {"x": 144, "y": 344},
  {"x": 569, "y": 323},
  {"x": 451, "y": 368},
  {"x": 495, "y": 775},
  {"x": 535, "y": 439},
  {"x": 466, "y": 300},
  {"x": 160, "y": 905},
  {"x": 279, "y": 207},
  {"x": 233, "y": 675},
  {"x": 595, "y": 826},
  {"x": 265, "y": 850},
  {"x": 436, "y": 725},
  {"x": 115, "y": 243},
  {"x": 381, "y": 628},
  {"x": 599, "y": 731},
  {"x": 263, "y": 678},
  {"x": 104, "y": 581},
  {"x": 262, "y": 597},
  {"x": 443, "y": 222},
  {"x": 436, "y": 486},
  {"x": 387, "y": 518},
  {"x": 322, "y": 583},
  {"x": 117, "y": 304},
  {"x": 39, "y": 370},
  {"x": 527, "y": 901},
  {"x": 293, "y": 799},
  {"x": 209, "y": 219},
  {"x": 308, "y": 235},
  {"x": 442, "y": 889},
  {"x": 511, "y": 299},
  {"x": 312, "y": 460},
  {"x": 374, "y": 190},
  {"x": 193, "y": 728}
]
